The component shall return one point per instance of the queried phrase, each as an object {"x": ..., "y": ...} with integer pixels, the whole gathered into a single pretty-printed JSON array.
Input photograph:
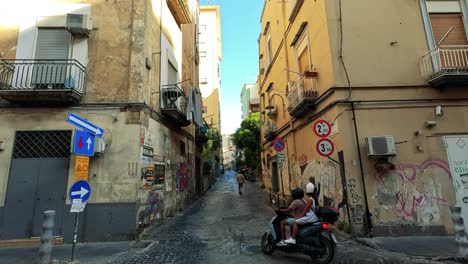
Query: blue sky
[{"x": 240, "y": 28}]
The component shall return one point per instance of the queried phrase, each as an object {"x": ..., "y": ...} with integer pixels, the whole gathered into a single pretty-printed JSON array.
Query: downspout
[
  {"x": 368, "y": 215},
  {"x": 160, "y": 56}
]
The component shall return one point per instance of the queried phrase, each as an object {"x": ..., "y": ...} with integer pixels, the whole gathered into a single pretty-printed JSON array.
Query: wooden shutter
[
  {"x": 303, "y": 60},
  {"x": 441, "y": 23}
]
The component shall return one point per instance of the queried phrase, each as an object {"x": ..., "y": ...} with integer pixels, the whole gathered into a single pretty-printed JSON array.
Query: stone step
[{"x": 28, "y": 242}]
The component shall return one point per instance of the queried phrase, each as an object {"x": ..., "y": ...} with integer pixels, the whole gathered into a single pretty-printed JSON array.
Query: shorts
[{"x": 291, "y": 221}]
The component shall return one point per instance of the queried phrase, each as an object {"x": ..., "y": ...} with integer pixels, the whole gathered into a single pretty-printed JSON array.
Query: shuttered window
[
  {"x": 52, "y": 44},
  {"x": 303, "y": 60},
  {"x": 441, "y": 23}
]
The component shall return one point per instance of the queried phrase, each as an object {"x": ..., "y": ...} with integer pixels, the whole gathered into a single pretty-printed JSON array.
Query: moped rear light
[{"x": 325, "y": 225}]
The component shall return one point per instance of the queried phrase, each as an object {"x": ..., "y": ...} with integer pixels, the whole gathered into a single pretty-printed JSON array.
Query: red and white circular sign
[
  {"x": 322, "y": 128},
  {"x": 325, "y": 147}
]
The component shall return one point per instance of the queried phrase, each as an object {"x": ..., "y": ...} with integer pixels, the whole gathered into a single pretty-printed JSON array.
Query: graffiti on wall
[
  {"x": 182, "y": 177},
  {"x": 150, "y": 210},
  {"x": 353, "y": 194},
  {"x": 413, "y": 192}
]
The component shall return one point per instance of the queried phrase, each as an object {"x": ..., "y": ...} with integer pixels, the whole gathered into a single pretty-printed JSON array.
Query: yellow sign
[{"x": 81, "y": 168}]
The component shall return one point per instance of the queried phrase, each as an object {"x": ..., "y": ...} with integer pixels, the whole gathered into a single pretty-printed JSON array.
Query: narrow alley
[{"x": 221, "y": 227}]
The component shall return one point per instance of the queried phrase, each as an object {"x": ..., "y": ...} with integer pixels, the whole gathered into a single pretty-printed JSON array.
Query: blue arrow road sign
[
  {"x": 85, "y": 125},
  {"x": 80, "y": 190},
  {"x": 83, "y": 143}
]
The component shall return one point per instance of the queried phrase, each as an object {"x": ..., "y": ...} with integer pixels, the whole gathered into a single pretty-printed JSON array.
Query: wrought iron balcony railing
[
  {"x": 42, "y": 75},
  {"x": 302, "y": 96},
  {"x": 174, "y": 104},
  {"x": 446, "y": 65}
]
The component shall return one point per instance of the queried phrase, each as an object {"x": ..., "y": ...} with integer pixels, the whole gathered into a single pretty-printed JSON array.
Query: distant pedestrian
[{"x": 240, "y": 181}]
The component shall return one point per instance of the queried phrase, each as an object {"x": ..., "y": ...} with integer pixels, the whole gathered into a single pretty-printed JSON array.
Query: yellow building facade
[{"x": 390, "y": 78}]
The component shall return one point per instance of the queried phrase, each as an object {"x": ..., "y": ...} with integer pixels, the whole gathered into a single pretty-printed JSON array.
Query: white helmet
[{"x": 310, "y": 188}]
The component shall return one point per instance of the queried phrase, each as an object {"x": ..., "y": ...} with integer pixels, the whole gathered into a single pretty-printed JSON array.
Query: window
[
  {"x": 268, "y": 51},
  {"x": 51, "y": 44},
  {"x": 182, "y": 147},
  {"x": 171, "y": 73},
  {"x": 205, "y": 110},
  {"x": 302, "y": 51}
]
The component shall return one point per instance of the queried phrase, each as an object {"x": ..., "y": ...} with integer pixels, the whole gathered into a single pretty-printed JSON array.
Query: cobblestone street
[{"x": 224, "y": 227}]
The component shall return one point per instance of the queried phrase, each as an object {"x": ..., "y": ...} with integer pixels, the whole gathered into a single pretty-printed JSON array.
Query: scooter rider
[
  {"x": 296, "y": 208},
  {"x": 308, "y": 215}
]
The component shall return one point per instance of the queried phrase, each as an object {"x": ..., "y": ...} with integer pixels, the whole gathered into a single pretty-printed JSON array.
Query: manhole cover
[{"x": 461, "y": 143}]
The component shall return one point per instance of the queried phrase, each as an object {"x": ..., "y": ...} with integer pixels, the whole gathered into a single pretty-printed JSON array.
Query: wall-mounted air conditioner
[
  {"x": 79, "y": 25},
  {"x": 382, "y": 146}
]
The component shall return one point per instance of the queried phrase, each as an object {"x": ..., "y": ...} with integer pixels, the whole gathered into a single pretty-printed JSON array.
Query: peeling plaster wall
[{"x": 109, "y": 174}]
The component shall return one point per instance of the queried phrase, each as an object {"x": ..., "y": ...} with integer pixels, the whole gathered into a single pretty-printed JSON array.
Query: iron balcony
[
  {"x": 446, "y": 66},
  {"x": 302, "y": 96},
  {"x": 174, "y": 104},
  {"x": 42, "y": 82}
]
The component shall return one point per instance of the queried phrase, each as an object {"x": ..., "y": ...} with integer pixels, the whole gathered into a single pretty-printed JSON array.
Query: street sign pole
[{"x": 75, "y": 236}]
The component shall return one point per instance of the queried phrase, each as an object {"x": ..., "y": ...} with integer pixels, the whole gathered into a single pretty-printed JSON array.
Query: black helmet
[{"x": 297, "y": 193}]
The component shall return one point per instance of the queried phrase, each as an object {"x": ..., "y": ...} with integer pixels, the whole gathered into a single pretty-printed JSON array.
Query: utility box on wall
[{"x": 381, "y": 146}]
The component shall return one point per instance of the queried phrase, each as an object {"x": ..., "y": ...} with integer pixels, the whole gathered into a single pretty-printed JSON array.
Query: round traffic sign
[
  {"x": 80, "y": 190},
  {"x": 325, "y": 147},
  {"x": 279, "y": 144},
  {"x": 322, "y": 128}
]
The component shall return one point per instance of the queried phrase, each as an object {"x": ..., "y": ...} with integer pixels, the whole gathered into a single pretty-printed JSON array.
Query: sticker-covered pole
[{"x": 75, "y": 235}]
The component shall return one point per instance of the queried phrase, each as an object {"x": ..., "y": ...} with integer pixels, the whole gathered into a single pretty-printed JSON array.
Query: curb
[
  {"x": 439, "y": 258},
  {"x": 367, "y": 243}
]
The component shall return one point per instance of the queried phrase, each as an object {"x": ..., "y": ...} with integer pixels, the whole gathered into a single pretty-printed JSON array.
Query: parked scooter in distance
[{"x": 316, "y": 240}]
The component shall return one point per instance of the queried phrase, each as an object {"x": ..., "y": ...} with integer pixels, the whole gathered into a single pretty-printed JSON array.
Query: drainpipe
[{"x": 368, "y": 215}]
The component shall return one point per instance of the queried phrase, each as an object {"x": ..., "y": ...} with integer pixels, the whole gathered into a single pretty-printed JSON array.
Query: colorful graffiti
[
  {"x": 414, "y": 192},
  {"x": 150, "y": 209},
  {"x": 182, "y": 178}
]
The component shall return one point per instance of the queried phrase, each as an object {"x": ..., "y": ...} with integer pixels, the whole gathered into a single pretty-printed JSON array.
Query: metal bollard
[
  {"x": 459, "y": 228},
  {"x": 46, "y": 238}
]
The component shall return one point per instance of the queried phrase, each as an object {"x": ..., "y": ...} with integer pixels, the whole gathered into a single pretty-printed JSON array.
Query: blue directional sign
[
  {"x": 83, "y": 143},
  {"x": 85, "y": 125},
  {"x": 80, "y": 190}
]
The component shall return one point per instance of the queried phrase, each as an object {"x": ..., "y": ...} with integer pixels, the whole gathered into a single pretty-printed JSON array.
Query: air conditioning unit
[
  {"x": 99, "y": 146},
  {"x": 79, "y": 25},
  {"x": 383, "y": 146}
]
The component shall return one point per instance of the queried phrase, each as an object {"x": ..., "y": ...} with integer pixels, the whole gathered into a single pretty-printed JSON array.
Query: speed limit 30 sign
[
  {"x": 325, "y": 147},
  {"x": 322, "y": 128}
]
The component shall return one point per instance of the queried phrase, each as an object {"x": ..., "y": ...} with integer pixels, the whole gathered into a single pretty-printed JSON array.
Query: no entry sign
[
  {"x": 325, "y": 147},
  {"x": 279, "y": 144}
]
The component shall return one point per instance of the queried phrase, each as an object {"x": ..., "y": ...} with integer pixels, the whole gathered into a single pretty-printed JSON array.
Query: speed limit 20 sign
[
  {"x": 325, "y": 147},
  {"x": 322, "y": 128}
]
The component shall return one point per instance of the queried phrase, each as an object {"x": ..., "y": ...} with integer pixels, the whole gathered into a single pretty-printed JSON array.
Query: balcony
[
  {"x": 42, "y": 82},
  {"x": 269, "y": 130},
  {"x": 174, "y": 104},
  {"x": 446, "y": 66},
  {"x": 302, "y": 96}
]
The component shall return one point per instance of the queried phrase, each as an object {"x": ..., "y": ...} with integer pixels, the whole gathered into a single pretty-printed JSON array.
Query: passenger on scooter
[
  {"x": 296, "y": 208},
  {"x": 307, "y": 216}
]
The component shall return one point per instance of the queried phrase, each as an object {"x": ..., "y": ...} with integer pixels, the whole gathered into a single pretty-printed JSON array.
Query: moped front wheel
[{"x": 268, "y": 243}]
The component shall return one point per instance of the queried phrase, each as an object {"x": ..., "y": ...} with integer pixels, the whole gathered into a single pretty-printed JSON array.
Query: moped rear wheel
[
  {"x": 327, "y": 252},
  {"x": 268, "y": 244}
]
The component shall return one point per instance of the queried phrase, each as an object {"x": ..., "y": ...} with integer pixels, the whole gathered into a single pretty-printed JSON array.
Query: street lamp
[{"x": 269, "y": 107}]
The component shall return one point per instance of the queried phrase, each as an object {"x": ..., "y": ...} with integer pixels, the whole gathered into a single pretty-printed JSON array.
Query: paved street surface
[
  {"x": 221, "y": 228},
  {"x": 224, "y": 227}
]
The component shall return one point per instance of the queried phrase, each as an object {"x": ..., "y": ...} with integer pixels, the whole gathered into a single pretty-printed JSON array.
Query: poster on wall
[{"x": 159, "y": 176}]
